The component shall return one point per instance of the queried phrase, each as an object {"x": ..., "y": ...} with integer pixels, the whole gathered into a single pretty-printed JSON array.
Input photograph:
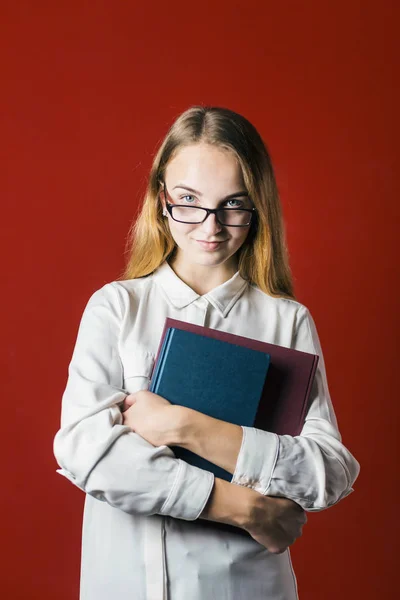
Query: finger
[
  {"x": 126, "y": 406},
  {"x": 128, "y": 402}
]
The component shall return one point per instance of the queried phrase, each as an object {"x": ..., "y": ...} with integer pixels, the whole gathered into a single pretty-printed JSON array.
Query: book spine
[
  {"x": 156, "y": 378},
  {"x": 307, "y": 394}
]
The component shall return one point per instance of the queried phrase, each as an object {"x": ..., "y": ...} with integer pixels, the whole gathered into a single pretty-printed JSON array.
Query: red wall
[{"x": 88, "y": 91}]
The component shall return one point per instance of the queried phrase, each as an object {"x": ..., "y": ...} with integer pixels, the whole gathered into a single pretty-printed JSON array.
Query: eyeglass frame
[{"x": 170, "y": 205}]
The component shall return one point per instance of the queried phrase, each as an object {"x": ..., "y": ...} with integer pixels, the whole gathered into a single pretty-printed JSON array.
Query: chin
[
  {"x": 211, "y": 259},
  {"x": 200, "y": 257}
]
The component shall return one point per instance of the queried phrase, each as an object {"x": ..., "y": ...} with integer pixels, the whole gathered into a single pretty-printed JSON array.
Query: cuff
[
  {"x": 256, "y": 459},
  {"x": 189, "y": 494},
  {"x": 69, "y": 476}
]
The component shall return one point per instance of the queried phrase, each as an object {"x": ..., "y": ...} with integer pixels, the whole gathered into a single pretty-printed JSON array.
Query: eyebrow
[{"x": 189, "y": 189}]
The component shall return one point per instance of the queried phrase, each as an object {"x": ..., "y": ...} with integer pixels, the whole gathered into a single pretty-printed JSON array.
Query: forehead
[{"x": 205, "y": 167}]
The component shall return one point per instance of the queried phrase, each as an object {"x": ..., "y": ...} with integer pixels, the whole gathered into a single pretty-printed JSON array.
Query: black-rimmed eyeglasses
[{"x": 193, "y": 215}]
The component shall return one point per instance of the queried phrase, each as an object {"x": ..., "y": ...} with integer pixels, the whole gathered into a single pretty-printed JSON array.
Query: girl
[{"x": 207, "y": 248}]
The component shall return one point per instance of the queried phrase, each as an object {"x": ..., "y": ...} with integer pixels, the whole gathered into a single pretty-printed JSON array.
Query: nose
[{"x": 211, "y": 225}]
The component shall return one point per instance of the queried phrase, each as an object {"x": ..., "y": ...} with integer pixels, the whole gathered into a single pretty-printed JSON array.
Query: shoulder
[
  {"x": 282, "y": 305},
  {"x": 134, "y": 287},
  {"x": 120, "y": 294},
  {"x": 289, "y": 315}
]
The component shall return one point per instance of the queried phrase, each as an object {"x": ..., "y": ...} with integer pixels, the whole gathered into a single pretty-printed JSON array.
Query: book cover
[{"x": 220, "y": 379}]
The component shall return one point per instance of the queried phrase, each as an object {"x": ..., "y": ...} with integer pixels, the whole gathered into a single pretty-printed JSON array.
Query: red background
[{"x": 88, "y": 91}]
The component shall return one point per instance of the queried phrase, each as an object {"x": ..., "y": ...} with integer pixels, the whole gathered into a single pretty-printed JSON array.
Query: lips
[{"x": 210, "y": 245}]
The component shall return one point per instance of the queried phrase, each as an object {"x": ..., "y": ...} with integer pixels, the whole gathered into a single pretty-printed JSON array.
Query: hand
[
  {"x": 275, "y": 523},
  {"x": 154, "y": 418}
]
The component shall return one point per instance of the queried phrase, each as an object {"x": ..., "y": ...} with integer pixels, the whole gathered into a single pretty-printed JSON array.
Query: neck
[{"x": 202, "y": 279}]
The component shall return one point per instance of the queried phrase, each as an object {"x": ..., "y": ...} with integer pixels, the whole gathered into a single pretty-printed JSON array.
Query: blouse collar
[{"x": 223, "y": 297}]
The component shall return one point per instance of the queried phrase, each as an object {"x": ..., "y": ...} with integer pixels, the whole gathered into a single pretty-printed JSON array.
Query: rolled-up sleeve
[
  {"x": 314, "y": 468},
  {"x": 93, "y": 448}
]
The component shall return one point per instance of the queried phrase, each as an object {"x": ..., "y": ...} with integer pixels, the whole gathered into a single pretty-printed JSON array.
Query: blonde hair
[{"x": 263, "y": 257}]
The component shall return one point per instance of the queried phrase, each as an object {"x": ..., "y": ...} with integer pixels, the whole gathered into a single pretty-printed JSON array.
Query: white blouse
[{"x": 142, "y": 538}]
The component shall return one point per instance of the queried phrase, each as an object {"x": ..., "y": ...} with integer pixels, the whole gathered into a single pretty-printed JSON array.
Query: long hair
[{"x": 263, "y": 257}]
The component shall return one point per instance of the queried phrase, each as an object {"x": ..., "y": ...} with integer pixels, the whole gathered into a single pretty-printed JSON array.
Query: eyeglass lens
[{"x": 226, "y": 216}]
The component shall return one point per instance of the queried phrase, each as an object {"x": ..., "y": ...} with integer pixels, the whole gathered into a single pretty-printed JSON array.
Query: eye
[
  {"x": 235, "y": 200},
  {"x": 186, "y": 196}
]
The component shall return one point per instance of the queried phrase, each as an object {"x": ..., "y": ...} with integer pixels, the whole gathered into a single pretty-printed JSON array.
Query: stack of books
[{"x": 232, "y": 378}]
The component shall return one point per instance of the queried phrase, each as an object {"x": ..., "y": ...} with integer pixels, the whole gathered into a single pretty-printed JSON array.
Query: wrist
[
  {"x": 187, "y": 427},
  {"x": 232, "y": 504},
  {"x": 182, "y": 429}
]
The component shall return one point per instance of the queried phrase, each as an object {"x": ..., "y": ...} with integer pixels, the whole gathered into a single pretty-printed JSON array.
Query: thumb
[{"x": 128, "y": 402}]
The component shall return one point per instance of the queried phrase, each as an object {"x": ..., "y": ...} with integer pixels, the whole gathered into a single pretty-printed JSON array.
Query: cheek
[
  {"x": 240, "y": 237},
  {"x": 179, "y": 231}
]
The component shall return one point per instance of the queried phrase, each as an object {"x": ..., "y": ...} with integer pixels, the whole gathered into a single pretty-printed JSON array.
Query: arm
[
  {"x": 313, "y": 469},
  {"x": 93, "y": 447},
  {"x": 213, "y": 439}
]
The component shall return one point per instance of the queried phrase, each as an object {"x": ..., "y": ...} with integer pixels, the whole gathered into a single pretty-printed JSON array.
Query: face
[{"x": 203, "y": 175}]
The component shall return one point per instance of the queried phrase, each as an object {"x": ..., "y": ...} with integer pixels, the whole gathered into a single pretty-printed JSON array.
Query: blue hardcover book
[{"x": 218, "y": 378}]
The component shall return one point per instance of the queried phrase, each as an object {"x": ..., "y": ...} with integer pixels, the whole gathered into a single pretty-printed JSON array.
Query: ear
[{"x": 161, "y": 196}]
